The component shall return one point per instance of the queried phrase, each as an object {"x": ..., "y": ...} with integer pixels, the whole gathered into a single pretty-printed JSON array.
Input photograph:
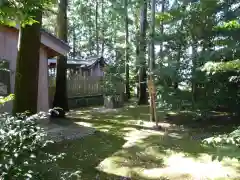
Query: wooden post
[
  {"x": 152, "y": 94},
  {"x": 151, "y": 102}
]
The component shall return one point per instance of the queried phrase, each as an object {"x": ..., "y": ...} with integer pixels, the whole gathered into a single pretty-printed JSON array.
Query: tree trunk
[
  {"x": 96, "y": 27},
  {"x": 74, "y": 43},
  {"x": 27, "y": 67},
  {"x": 152, "y": 61},
  {"x": 60, "y": 97},
  {"x": 176, "y": 79},
  {"x": 102, "y": 48},
  {"x": 162, "y": 31},
  {"x": 137, "y": 67},
  {"x": 142, "y": 56},
  {"x": 136, "y": 70},
  {"x": 90, "y": 41},
  {"x": 194, "y": 67},
  {"x": 127, "y": 85}
]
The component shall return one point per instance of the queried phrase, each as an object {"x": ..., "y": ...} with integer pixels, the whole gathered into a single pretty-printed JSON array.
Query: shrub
[
  {"x": 6, "y": 99},
  {"x": 226, "y": 144},
  {"x": 23, "y": 153},
  {"x": 112, "y": 79}
]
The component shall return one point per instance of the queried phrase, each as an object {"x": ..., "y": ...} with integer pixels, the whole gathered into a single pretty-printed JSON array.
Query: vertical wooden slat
[{"x": 80, "y": 86}]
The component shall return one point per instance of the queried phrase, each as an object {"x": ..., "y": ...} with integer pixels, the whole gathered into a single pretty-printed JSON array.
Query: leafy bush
[
  {"x": 6, "y": 99},
  {"x": 23, "y": 153},
  {"x": 222, "y": 82},
  {"x": 112, "y": 79},
  {"x": 226, "y": 144},
  {"x": 232, "y": 138}
]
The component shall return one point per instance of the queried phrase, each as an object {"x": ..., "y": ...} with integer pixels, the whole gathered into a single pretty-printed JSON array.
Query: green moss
[{"x": 124, "y": 145}]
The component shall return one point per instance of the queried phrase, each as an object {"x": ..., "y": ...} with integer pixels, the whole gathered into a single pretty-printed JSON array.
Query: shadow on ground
[
  {"x": 85, "y": 154},
  {"x": 217, "y": 122}
]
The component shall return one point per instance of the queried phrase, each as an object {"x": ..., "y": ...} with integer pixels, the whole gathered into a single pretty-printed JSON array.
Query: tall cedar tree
[
  {"x": 27, "y": 67},
  {"x": 127, "y": 85},
  {"x": 152, "y": 58},
  {"x": 60, "y": 97},
  {"x": 96, "y": 27},
  {"x": 142, "y": 56}
]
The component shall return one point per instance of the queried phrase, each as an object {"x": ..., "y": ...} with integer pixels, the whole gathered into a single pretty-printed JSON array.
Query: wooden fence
[{"x": 80, "y": 86}]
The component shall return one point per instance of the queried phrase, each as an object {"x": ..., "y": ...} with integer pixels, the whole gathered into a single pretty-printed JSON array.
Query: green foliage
[
  {"x": 234, "y": 24},
  {"x": 166, "y": 17},
  {"x": 201, "y": 51},
  {"x": 219, "y": 67},
  {"x": 232, "y": 138},
  {"x": 225, "y": 76},
  {"x": 20, "y": 11},
  {"x": 112, "y": 78},
  {"x": 6, "y": 99},
  {"x": 22, "y": 150},
  {"x": 3, "y": 65},
  {"x": 230, "y": 142}
]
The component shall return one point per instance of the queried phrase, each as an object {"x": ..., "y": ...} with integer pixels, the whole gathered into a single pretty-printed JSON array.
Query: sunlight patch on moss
[
  {"x": 137, "y": 136},
  {"x": 156, "y": 173},
  {"x": 178, "y": 167},
  {"x": 137, "y": 157},
  {"x": 113, "y": 165},
  {"x": 187, "y": 165},
  {"x": 232, "y": 162},
  {"x": 128, "y": 129},
  {"x": 172, "y": 113},
  {"x": 84, "y": 124},
  {"x": 132, "y": 106},
  {"x": 175, "y": 135},
  {"x": 104, "y": 128},
  {"x": 79, "y": 112},
  {"x": 86, "y": 117}
]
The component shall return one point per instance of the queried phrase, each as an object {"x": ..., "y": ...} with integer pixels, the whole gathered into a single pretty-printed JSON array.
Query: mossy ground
[{"x": 126, "y": 145}]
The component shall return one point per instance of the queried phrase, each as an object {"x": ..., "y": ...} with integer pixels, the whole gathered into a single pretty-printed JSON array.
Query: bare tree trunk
[
  {"x": 194, "y": 85},
  {"x": 136, "y": 70},
  {"x": 27, "y": 68},
  {"x": 152, "y": 62},
  {"x": 90, "y": 41},
  {"x": 162, "y": 30},
  {"x": 60, "y": 97},
  {"x": 142, "y": 56},
  {"x": 96, "y": 26},
  {"x": 176, "y": 79},
  {"x": 102, "y": 53},
  {"x": 127, "y": 85},
  {"x": 74, "y": 43}
]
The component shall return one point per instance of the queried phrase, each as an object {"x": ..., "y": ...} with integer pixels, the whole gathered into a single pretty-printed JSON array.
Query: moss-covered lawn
[{"x": 124, "y": 145}]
